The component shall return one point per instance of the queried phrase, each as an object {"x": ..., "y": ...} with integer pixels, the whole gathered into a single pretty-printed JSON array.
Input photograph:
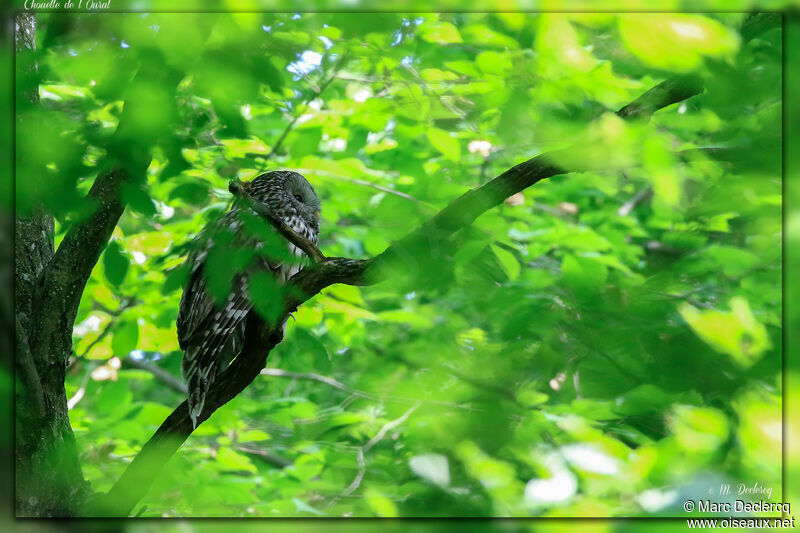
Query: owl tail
[
  {"x": 197, "y": 398},
  {"x": 195, "y": 407}
]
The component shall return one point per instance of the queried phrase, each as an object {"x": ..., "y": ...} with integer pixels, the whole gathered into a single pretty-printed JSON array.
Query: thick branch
[
  {"x": 261, "y": 337},
  {"x": 27, "y": 374},
  {"x": 125, "y": 166},
  {"x": 48, "y": 478},
  {"x": 668, "y": 92},
  {"x": 135, "y": 481}
]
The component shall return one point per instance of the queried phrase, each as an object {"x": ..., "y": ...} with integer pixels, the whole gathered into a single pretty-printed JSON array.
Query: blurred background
[{"x": 606, "y": 343}]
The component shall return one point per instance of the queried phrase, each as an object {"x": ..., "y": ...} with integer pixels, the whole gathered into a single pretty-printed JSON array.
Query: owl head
[{"x": 287, "y": 194}]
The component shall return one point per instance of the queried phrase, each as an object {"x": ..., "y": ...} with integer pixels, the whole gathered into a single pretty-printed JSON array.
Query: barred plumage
[{"x": 210, "y": 333}]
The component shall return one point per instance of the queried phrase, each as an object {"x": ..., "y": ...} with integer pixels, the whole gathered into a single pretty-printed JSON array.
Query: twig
[
  {"x": 237, "y": 187},
  {"x": 336, "y": 384},
  {"x": 686, "y": 298},
  {"x": 362, "y": 464},
  {"x": 316, "y": 91},
  {"x": 450, "y": 107},
  {"x": 91, "y": 365},
  {"x": 125, "y": 304},
  {"x": 102, "y": 335},
  {"x": 159, "y": 373},
  {"x": 631, "y": 204},
  {"x": 364, "y": 183},
  {"x": 672, "y": 90},
  {"x": 78, "y": 396},
  {"x": 271, "y": 458}
]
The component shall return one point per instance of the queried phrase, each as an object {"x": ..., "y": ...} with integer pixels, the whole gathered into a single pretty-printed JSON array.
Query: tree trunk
[{"x": 49, "y": 481}]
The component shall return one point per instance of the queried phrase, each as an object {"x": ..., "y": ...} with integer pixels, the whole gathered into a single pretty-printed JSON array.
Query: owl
[{"x": 211, "y": 330}]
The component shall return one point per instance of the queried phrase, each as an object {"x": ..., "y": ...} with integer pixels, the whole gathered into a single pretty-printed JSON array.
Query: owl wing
[
  {"x": 196, "y": 304},
  {"x": 210, "y": 334},
  {"x": 214, "y": 342}
]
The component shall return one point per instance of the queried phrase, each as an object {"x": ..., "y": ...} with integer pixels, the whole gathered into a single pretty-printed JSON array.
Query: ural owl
[{"x": 211, "y": 330}]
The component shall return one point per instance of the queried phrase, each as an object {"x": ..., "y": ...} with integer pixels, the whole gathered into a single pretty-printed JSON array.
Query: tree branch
[
  {"x": 668, "y": 92},
  {"x": 137, "y": 478},
  {"x": 261, "y": 337},
  {"x": 362, "y": 463},
  {"x": 363, "y": 183},
  {"x": 125, "y": 165},
  {"x": 336, "y": 384},
  {"x": 275, "y": 460},
  {"x": 27, "y": 374},
  {"x": 159, "y": 373},
  {"x": 315, "y": 94}
]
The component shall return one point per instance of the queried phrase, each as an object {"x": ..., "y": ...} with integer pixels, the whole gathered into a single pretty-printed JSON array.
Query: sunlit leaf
[
  {"x": 676, "y": 41},
  {"x": 233, "y": 460},
  {"x": 441, "y": 33},
  {"x": 737, "y": 332},
  {"x": 444, "y": 143}
]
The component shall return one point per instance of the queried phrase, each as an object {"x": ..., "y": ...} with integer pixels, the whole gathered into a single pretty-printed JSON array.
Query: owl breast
[{"x": 286, "y": 271}]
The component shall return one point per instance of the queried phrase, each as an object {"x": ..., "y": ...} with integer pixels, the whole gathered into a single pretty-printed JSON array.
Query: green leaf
[
  {"x": 441, "y": 33},
  {"x": 676, "y": 41},
  {"x": 493, "y": 62},
  {"x": 138, "y": 199},
  {"x": 305, "y": 468},
  {"x": 508, "y": 262},
  {"x": 193, "y": 192},
  {"x": 266, "y": 296},
  {"x": 583, "y": 273},
  {"x": 126, "y": 336},
  {"x": 558, "y": 43},
  {"x": 113, "y": 397},
  {"x": 699, "y": 429},
  {"x": 383, "y": 506},
  {"x": 469, "y": 251},
  {"x": 233, "y": 460},
  {"x": 444, "y": 143},
  {"x": 481, "y": 35},
  {"x": 463, "y": 67},
  {"x": 115, "y": 263},
  {"x": 253, "y": 435},
  {"x": 736, "y": 332}
]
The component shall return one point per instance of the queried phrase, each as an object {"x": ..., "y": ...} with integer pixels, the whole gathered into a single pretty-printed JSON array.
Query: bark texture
[
  {"x": 48, "y": 288},
  {"x": 48, "y": 473}
]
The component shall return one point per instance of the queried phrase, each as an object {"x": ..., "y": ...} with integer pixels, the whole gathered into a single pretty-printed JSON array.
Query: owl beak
[{"x": 316, "y": 214}]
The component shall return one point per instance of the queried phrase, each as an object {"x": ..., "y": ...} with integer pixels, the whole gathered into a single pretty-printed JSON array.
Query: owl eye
[{"x": 298, "y": 198}]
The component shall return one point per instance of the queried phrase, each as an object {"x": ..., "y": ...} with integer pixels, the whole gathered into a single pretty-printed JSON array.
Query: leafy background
[{"x": 607, "y": 343}]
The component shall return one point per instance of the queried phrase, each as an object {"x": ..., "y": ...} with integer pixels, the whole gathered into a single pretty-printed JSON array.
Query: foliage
[{"x": 606, "y": 343}]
